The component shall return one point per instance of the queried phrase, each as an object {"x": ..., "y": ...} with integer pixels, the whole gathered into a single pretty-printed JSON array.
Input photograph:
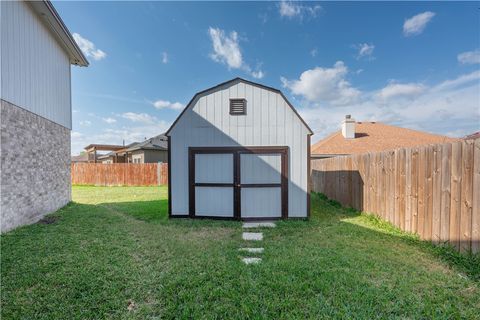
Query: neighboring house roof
[
  {"x": 474, "y": 135},
  {"x": 107, "y": 155},
  {"x": 52, "y": 20},
  {"x": 238, "y": 79},
  {"x": 374, "y": 137},
  {"x": 104, "y": 147},
  {"x": 80, "y": 158},
  {"x": 159, "y": 142}
]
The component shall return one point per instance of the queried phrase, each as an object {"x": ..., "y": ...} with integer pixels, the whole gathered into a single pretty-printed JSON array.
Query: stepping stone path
[
  {"x": 249, "y": 225},
  {"x": 252, "y": 250},
  {"x": 254, "y": 236},
  {"x": 251, "y": 260}
]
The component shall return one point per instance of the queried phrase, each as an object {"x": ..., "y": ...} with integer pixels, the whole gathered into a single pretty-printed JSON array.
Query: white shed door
[
  {"x": 214, "y": 185},
  {"x": 238, "y": 182},
  {"x": 260, "y": 183}
]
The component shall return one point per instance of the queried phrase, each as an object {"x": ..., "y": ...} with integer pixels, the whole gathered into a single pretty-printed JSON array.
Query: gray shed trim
[{"x": 238, "y": 79}]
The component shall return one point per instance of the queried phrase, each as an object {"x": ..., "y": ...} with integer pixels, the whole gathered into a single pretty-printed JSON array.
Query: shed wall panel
[
  {"x": 263, "y": 168},
  {"x": 214, "y": 201},
  {"x": 261, "y": 202},
  {"x": 214, "y": 168}
]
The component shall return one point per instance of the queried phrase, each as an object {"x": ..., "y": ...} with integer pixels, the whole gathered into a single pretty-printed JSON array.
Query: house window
[{"x": 238, "y": 107}]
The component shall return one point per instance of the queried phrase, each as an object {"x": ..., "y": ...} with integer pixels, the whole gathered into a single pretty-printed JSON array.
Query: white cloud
[
  {"x": 85, "y": 123},
  {"x": 404, "y": 90},
  {"x": 313, "y": 52},
  {"x": 416, "y": 24},
  {"x": 458, "y": 82},
  {"x": 469, "y": 57},
  {"x": 164, "y": 104},
  {"x": 324, "y": 85},
  {"x": 226, "y": 50},
  {"x": 88, "y": 47},
  {"x": 139, "y": 117},
  {"x": 450, "y": 107},
  {"x": 291, "y": 9},
  {"x": 164, "y": 57},
  {"x": 109, "y": 120},
  {"x": 365, "y": 50},
  {"x": 258, "y": 74},
  {"x": 129, "y": 134},
  {"x": 76, "y": 134}
]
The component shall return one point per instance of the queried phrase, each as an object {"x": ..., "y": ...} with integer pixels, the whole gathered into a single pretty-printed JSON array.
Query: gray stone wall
[{"x": 35, "y": 166}]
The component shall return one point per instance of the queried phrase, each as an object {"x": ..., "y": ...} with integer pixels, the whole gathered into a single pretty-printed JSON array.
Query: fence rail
[
  {"x": 120, "y": 174},
  {"x": 432, "y": 190}
]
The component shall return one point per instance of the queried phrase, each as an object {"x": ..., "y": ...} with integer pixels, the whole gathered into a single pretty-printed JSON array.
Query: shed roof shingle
[{"x": 374, "y": 137}]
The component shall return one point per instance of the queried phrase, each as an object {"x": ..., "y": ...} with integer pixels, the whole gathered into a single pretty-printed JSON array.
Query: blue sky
[{"x": 410, "y": 64}]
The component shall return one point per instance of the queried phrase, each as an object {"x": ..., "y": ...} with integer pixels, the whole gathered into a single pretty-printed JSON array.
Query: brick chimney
[{"x": 348, "y": 127}]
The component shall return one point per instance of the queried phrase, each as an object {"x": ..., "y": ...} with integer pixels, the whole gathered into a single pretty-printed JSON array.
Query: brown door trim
[{"x": 237, "y": 186}]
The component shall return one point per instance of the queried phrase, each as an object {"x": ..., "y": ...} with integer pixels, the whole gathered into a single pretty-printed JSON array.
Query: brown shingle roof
[
  {"x": 474, "y": 135},
  {"x": 374, "y": 137}
]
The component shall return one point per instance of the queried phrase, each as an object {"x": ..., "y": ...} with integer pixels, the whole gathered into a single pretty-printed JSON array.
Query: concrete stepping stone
[
  {"x": 252, "y": 236},
  {"x": 264, "y": 224},
  {"x": 251, "y": 260},
  {"x": 252, "y": 250}
]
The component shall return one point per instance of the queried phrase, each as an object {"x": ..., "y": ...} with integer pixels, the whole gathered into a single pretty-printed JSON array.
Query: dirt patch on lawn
[{"x": 48, "y": 220}]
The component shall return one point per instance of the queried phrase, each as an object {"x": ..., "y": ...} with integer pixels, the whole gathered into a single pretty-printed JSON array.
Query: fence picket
[
  {"x": 467, "y": 196},
  {"x": 432, "y": 190},
  {"x": 119, "y": 174}
]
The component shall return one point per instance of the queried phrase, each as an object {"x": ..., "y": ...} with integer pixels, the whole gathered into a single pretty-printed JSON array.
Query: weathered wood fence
[
  {"x": 120, "y": 174},
  {"x": 432, "y": 190}
]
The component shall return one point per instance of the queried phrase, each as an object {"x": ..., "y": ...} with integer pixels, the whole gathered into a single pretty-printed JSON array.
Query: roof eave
[{"x": 54, "y": 22}]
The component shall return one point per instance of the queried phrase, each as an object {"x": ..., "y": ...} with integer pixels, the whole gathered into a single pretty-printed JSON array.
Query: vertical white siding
[
  {"x": 269, "y": 122},
  {"x": 35, "y": 70}
]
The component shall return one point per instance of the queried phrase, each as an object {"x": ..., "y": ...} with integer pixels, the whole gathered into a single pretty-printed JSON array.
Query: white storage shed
[{"x": 239, "y": 150}]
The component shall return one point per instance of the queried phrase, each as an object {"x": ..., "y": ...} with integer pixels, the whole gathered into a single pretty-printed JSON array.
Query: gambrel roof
[{"x": 236, "y": 80}]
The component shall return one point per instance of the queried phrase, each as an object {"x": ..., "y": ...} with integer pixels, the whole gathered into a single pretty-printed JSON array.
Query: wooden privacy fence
[
  {"x": 120, "y": 174},
  {"x": 432, "y": 190}
]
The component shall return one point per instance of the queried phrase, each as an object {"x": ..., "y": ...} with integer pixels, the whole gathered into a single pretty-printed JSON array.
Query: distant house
[
  {"x": 474, "y": 135},
  {"x": 36, "y": 112},
  {"x": 361, "y": 137},
  {"x": 94, "y": 156},
  {"x": 81, "y": 158},
  {"x": 152, "y": 150}
]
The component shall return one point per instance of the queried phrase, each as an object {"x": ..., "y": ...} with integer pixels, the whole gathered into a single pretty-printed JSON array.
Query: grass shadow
[{"x": 466, "y": 263}]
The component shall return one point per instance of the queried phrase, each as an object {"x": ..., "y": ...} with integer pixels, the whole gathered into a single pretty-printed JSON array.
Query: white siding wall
[
  {"x": 35, "y": 70},
  {"x": 269, "y": 122}
]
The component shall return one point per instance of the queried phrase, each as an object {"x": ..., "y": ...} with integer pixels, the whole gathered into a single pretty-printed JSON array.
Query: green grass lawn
[{"x": 113, "y": 253}]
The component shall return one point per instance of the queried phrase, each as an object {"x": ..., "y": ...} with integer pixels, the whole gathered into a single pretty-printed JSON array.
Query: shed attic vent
[{"x": 238, "y": 106}]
